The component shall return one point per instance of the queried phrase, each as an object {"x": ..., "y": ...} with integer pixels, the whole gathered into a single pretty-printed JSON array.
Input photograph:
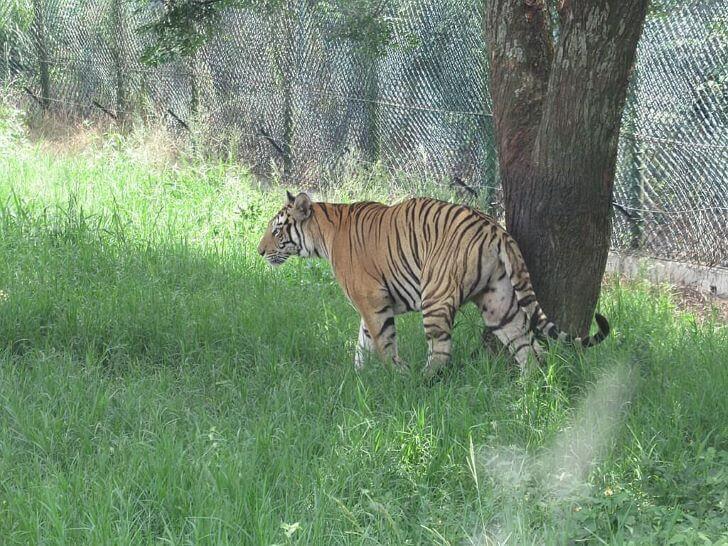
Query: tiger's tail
[{"x": 512, "y": 259}]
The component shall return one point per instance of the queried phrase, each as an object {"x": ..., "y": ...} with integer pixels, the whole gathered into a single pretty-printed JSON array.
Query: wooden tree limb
[{"x": 104, "y": 109}]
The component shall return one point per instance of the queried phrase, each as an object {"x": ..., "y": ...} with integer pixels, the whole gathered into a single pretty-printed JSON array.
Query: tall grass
[{"x": 160, "y": 384}]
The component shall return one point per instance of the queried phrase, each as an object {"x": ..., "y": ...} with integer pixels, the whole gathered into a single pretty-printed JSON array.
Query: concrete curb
[{"x": 713, "y": 280}]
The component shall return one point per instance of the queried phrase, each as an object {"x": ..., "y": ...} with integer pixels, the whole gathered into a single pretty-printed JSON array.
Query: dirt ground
[{"x": 702, "y": 304}]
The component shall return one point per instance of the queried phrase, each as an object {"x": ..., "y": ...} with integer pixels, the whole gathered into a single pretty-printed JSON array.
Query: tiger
[{"x": 423, "y": 255}]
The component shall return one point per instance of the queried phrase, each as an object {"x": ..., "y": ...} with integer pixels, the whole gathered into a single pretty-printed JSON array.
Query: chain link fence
[{"x": 281, "y": 90}]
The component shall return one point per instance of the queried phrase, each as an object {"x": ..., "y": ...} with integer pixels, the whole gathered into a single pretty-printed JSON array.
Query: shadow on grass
[{"x": 80, "y": 289}]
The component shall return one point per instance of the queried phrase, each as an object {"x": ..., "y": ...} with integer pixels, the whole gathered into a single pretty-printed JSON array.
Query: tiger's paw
[
  {"x": 434, "y": 373},
  {"x": 431, "y": 379},
  {"x": 400, "y": 365}
]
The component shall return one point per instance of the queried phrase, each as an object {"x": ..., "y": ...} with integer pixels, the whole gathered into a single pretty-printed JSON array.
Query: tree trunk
[
  {"x": 557, "y": 115},
  {"x": 41, "y": 47}
]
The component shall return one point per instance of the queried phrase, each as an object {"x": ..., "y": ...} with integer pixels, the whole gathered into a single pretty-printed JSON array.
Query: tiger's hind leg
[
  {"x": 437, "y": 319},
  {"x": 504, "y": 318},
  {"x": 513, "y": 332},
  {"x": 489, "y": 343}
]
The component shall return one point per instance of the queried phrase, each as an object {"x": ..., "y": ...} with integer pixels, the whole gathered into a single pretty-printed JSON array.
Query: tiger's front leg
[
  {"x": 377, "y": 333},
  {"x": 364, "y": 346}
]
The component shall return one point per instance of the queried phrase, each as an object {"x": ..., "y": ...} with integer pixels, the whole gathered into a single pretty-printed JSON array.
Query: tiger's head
[{"x": 286, "y": 232}]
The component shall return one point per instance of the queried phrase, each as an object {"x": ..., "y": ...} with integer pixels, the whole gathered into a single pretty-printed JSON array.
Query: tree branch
[
  {"x": 104, "y": 109},
  {"x": 178, "y": 119},
  {"x": 273, "y": 142}
]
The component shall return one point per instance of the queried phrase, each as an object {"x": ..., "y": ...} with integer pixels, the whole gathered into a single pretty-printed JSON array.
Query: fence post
[
  {"x": 41, "y": 46},
  {"x": 280, "y": 25},
  {"x": 490, "y": 167},
  {"x": 194, "y": 85},
  {"x": 119, "y": 37},
  {"x": 633, "y": 155},
  {"x": 370, "y": 79}
]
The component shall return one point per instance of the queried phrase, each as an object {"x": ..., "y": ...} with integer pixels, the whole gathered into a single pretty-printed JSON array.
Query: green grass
[{"x": 160, "y": 384}]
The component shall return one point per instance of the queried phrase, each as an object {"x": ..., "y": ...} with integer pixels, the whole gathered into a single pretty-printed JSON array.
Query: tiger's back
[{"x": 415, "y": 249}]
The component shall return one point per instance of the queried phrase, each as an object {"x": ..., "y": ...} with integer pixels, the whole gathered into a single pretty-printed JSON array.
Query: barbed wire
[{"x": 651, "y": 138}]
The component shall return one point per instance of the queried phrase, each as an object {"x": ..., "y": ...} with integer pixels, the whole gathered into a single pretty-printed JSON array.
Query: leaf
[{"x": 290, "y": 528}]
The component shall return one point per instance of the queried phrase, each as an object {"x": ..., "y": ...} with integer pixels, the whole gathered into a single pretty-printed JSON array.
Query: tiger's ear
[
  {"x": 301, "y": 207},
  {"x": 290, "y": 198}
]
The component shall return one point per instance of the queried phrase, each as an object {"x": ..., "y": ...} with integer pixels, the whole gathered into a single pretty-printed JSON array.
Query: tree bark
[{"x": 557, "y": 113}]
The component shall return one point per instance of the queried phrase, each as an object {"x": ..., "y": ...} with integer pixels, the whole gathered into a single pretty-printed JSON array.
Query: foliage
[
  {"x": 16, "y": 17},
  {"x": 368, "y": 24},
  {"x": 15, "y": 13},
  {"x": 663, "y": 8},
  {"x": 12, "y": 130},
  {"x": 183, "y": 26}
]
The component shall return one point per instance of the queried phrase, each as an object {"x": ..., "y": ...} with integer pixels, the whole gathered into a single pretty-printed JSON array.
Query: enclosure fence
[{"x": 282, "y": 89}]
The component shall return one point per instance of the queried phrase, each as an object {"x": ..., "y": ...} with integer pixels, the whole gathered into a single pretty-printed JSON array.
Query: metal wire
[{"x": 422, "y": 108}]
